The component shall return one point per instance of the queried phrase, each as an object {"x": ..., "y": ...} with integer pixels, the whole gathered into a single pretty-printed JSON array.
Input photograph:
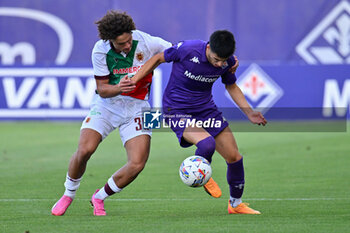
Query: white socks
[
  {"x": 101, "y": 194},
  {"x": 71, "y": 186},
  {"x": 109, "y": 189},
  {"x": 113, "y": 185}
]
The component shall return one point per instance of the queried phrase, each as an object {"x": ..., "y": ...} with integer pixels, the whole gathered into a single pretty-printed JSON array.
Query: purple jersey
[{"x": 192, "y": 76}]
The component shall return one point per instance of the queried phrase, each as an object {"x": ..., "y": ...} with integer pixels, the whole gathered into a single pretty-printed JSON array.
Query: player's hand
[
  {"x": 126, "y": 85},
  {"x": 235, "y": 66},
  {"x": 132, "y": 81},
  {"x": 257, "y": 118}
]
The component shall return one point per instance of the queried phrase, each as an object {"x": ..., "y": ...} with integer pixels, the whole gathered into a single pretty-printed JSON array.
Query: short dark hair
[
  {"x": 222, "y": 42},
  {"x": 114, "y": 24}
]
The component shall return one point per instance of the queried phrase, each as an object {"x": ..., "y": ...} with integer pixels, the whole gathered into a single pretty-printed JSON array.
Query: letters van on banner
[{"x": 45, "y": 93}]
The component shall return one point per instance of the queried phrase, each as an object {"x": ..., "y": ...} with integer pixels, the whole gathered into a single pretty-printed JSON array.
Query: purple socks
[
  {"x": 235, "y": 178},
  {"x": 235, "y": 171}
]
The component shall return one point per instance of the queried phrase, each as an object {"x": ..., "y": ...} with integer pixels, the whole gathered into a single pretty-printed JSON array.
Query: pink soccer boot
[
  {"x": 60, "y": 207},
  {"x": 98, "y": 205}
]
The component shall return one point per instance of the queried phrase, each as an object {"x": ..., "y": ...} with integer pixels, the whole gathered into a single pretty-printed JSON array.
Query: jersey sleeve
[
  {"x": 99, "y": 62},
  {"x": 155, "y": 44},
  {"x": 229, "y": 78},
  {"x": 172, "y": 54}
]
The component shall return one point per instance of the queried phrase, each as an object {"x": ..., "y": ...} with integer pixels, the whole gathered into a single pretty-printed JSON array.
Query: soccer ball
[{"x": 195, "y": 171}]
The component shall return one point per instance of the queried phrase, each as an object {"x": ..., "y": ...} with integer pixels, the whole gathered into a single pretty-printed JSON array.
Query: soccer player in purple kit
[{"x": 196, "y": 66}]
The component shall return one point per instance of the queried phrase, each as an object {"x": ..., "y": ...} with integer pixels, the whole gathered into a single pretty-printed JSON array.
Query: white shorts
[{"x": 123, "y": 112}]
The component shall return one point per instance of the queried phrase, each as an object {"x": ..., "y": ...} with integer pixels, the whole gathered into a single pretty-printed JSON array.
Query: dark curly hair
[{"x": 114, "y": 24}]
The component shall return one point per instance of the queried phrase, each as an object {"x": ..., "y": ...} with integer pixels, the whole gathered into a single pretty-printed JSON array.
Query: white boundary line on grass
[{"x": 175, "y": 199}]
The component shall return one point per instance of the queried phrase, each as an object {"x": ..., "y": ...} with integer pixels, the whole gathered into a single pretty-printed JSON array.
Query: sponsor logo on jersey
[
  {"x": 329, "y": 41},
  {"x": 200, "y": 78},
  {"x": 195, "y": 60},
  {"x": 128, "y": 70},
  {"x": 259, "y": 89}
]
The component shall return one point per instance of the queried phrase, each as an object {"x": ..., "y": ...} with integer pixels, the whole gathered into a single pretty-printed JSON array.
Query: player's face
[
  {"x": 214, "y": 59},
  {"x": 123, "y": 43}
]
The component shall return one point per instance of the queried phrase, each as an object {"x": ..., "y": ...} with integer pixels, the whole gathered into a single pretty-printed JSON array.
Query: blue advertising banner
[{"x": 296, "y": 56}]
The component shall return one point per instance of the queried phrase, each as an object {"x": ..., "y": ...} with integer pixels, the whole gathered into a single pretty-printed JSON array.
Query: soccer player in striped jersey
[
  {"x": 187, "y": 97},
  {"x": 118, "y": 103}
]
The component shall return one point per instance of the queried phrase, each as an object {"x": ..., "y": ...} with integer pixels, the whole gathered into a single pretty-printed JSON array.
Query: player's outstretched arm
[
  {"x": 149, "y": 66},
  {"x": 237, "y": 96}
]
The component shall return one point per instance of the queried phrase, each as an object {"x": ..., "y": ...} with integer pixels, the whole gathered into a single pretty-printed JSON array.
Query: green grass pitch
[{"x": 299, "y": 181}]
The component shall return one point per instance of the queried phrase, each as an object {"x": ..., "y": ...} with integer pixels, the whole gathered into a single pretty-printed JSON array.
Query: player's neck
[{"x": 117, "y": 50}]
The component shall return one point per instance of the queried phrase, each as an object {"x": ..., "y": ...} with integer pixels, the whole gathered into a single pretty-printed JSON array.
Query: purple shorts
[{"x": 210, "y": 119}]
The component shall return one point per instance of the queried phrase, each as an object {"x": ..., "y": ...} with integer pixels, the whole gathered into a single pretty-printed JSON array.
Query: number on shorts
[{"x": 138, "y": 121}]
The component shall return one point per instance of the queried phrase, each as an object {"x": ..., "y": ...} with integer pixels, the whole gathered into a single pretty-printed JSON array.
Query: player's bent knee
[
  {"x": 207, "y": 145},
  {"x": 206, "y": 148},
  {"x": 137, "y": 167},
  {"x": 234, "y": 156},
  {"x": 85, "y": 153}
]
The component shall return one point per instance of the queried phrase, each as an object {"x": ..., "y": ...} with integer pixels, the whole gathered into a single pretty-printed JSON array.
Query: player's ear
[{"x": 208, "y": 49}]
